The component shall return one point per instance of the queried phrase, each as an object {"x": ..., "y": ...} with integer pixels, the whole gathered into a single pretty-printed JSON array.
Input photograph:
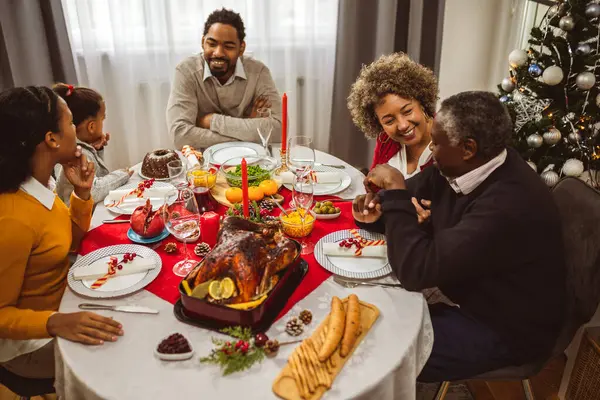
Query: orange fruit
[
  {"x": 255, "y": 193},
  {"x": 234, "y": 195},
  {"x": 269, "y": 187}
]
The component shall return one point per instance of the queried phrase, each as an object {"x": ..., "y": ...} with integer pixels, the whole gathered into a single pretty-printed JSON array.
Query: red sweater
[{"x": 387, "y": 148}]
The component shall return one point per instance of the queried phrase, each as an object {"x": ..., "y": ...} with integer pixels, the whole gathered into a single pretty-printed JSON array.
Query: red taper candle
[
  {"x": 245, "y": 204},
  {"x": 284, "y": 123}
]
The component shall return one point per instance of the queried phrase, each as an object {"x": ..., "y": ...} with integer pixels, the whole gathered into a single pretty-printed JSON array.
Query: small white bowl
[
  {"x": 174, "y": 357},
  {"x": 328, "y": 216}
]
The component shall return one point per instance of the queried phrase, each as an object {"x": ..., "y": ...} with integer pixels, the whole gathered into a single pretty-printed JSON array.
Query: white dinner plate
[
  {"x": 352, "y": 267},
  {"x": 119, "y": 285},
  {"x": 329, "y": 188},
  {"x": 127, "y": 208},
  {"x": 219, "y": 153}
]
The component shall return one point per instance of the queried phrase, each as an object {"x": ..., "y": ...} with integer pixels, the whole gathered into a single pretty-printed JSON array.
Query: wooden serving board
[
  {"x": 286, "y": 387},
  {"x": 218, "y": 191}
]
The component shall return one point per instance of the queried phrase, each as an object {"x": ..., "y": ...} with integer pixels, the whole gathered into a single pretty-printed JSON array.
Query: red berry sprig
[
  {"x": 348, "y": 243},
  {"x": 143, "y": 185},
  {"x": 127, "y": 257},
  {"x": 242, "y": 346}
]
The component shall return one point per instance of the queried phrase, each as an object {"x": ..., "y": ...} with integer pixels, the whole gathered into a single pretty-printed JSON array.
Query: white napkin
[
  {"x": 320, "y": 177},
  {"x": 156, "y": 192},
  {"x": 100, "y": 268},
  {"x": 334, "y": 249}
]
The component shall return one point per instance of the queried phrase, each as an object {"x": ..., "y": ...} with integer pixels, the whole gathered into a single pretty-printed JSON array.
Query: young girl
[
  {"x": 89, "y": 112},
  {"x": 36, "y": 133}
]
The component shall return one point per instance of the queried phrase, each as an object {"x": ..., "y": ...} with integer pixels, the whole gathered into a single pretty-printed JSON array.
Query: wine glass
[
  {"x": 302, "y": 194},
  {"x": 182, "y": 219},
  {"x": 300, "y": 154},
  {"x": 176, "y": 171},
  {"x": 265, "y": 127}
]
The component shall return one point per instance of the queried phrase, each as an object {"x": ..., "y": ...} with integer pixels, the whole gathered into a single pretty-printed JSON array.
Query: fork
[{"x": 347, "y": 283}]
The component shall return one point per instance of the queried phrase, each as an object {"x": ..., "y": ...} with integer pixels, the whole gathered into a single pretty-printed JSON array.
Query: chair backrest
[
  {"x": 26, "y": 387},
  {"x": 579, "y": 208}
]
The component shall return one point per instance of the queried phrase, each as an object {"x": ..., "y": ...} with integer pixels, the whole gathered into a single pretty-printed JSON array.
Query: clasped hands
[{"x": 366, "y": 208}]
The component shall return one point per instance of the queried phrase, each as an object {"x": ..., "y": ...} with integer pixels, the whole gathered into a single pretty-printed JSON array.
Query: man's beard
[{"x": 219, "y": 72}]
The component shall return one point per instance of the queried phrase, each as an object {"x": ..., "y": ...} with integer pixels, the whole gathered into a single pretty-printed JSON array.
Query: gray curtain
[
  {"x": 366, "y": 30},
  {"x": 34, "y": 44}
]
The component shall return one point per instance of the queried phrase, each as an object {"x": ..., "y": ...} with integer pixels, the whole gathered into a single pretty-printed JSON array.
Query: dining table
[{"x": 384, "y": 366}]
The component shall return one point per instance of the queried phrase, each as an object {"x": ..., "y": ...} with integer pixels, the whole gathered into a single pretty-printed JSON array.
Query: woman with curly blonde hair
[{"x": 393, "y": 100}]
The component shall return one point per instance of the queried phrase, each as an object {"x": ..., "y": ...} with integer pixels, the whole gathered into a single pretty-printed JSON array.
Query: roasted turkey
[{"x": 250, "y": 254}]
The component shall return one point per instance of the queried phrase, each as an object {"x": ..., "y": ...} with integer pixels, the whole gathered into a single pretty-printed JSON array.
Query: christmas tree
[{"x": 553, "y": 93}]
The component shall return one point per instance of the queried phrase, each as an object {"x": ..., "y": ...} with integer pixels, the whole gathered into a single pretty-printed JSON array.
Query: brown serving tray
[{"x": 201, "y": 313}]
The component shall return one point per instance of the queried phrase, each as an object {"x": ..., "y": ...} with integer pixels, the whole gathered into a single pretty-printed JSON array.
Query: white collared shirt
[
  {"x": 468, "y": 182},
  {"x": 239, "y": 72},
  {"x": 12, "y": 348},
  {"x": 400, "y": 161},
  {"x": 38, "y": 191}
]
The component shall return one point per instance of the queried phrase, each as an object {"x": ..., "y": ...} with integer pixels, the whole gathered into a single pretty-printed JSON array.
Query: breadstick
[
  {"x": 335, "y": 330},
  {"x": 298, "y": 377},
  {"x": 326, "y": 366},
  {"x": 321, "y": 336},
  {"x": 352, "y": 325},
  {"x": 329, "y": 364},
  {"x": 311, "y": 373},
  {"x": 310, "y": 383},
  {"x": 321, "y": 368}
]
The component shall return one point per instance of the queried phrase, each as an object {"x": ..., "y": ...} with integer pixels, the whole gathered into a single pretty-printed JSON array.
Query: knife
[
  {"x": 129, "y": 309},
  {"x": 115, "y": 221},
  {"x": 338, "y": 166}
]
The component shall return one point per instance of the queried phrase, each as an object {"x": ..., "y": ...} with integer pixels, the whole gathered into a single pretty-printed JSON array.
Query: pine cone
[
  {"x": 294, "y": 327},
  {"x": 201, "y": 249},
  {"x": 306, "y": 317},
  {"x": 271, "y": 347},
  {"x": 170, "y": 248},
  {"x": 266, "y": 204}
]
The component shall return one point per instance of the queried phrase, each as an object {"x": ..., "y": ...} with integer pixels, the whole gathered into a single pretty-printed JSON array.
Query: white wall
[{"x": 477, "y": 37}]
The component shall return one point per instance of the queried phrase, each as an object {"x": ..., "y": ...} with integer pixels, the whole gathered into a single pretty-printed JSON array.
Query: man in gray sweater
[{"x": 216, "y": 94}]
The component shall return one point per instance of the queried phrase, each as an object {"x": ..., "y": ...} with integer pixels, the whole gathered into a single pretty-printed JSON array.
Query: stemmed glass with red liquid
[{"x": 201, "y": 181}]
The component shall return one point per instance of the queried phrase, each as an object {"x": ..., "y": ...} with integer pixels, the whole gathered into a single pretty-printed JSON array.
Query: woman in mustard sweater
[{"x": 37, "y": 231}]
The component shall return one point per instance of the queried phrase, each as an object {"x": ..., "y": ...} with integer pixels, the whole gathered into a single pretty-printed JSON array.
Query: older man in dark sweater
[{"x": 492, "y": 242}]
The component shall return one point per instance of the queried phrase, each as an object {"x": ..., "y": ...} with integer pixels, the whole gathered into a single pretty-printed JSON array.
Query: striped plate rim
[{"x": 345, "y": 234}]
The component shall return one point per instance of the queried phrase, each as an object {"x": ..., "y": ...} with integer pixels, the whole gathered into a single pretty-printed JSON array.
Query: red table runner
[{"x": 166, "y": 283}]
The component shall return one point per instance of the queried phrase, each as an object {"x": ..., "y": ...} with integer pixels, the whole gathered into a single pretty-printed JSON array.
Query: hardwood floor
[
  {"x": 545, "y": 385},
  {"x": 6, "y": 394}
]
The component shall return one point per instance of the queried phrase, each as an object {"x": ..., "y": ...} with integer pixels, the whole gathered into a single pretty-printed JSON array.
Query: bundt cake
[{"x": 155, "y": 163}]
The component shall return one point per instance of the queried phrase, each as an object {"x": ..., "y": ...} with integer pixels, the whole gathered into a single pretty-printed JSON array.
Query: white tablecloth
[{"x": 384, "y": 366}]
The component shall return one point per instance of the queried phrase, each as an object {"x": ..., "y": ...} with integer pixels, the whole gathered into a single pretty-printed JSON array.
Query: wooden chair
[{"x": 579, "y": 208}]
